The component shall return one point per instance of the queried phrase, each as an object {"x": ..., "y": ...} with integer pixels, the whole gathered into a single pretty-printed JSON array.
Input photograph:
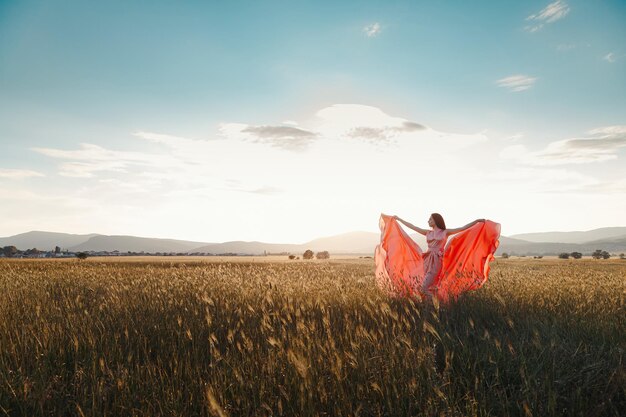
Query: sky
[{"x": 286, "y": 121}]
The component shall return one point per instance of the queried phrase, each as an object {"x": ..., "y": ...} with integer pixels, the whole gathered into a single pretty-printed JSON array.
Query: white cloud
[
  {"x": 517, "y": 82},
  {"x": 348, "y": 123},
  {"x": 610, "y": 57},
  {"x": 609, "y": 130},
  {"x": 163, "y": 138},
  {"x": 91, "y": 159},
  {"x": 372, "y": 30},
  {"x": 285, "y": 137},
  {"x": 362, "y": 160},
  {"x": 515, "y": 137},
  {"x": 19, "y": 174},
  {"x": 544, "y": 180},
  {"x": 550, "y": 14},
  {"x": 343, "y": 142},
  {"x": 602, "y": 145}
]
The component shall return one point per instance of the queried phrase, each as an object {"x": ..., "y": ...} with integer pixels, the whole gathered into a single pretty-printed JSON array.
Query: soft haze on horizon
[{"x": 288, "y": 122}]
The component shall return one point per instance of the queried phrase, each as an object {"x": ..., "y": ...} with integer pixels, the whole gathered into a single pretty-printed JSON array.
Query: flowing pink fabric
[{"x": 464, "y": 267}]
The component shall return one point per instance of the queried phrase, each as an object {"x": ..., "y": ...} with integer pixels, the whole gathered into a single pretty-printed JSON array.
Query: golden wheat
[{"x": 188, "y": 338}]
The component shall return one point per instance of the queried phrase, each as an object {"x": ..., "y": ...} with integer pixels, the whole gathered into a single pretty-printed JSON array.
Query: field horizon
[{"x": 611, "y": 239}]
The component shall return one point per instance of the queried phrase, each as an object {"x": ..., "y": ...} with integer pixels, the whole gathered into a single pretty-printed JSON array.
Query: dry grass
[{"x": 188, "y": 337}]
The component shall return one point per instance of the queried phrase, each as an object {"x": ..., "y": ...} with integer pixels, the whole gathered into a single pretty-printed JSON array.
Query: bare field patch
[{"x": 254, "y": 336}]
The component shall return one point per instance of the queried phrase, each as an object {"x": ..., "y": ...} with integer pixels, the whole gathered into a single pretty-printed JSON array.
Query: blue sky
[{"x": 523, "y": 102}]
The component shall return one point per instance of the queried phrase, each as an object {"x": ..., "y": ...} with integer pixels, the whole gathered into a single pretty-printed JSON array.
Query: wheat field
[{"x": 193, "y": 338}]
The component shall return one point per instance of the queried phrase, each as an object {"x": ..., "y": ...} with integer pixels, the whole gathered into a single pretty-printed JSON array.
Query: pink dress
[
  {"x": 433, "y": 258},
  {"x": 445, "y": 271}
]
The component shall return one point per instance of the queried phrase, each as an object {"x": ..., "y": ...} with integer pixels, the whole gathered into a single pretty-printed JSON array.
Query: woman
[
  {"x": 443, "y": 271},
  {"x": 436, "y": 240}
]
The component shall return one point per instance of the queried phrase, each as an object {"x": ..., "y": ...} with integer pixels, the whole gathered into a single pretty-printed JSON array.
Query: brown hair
[{"x": 438, "y": 219}]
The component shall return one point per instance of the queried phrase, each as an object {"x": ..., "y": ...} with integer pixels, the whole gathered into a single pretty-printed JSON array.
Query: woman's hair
[{"x": 439, "y": 221}]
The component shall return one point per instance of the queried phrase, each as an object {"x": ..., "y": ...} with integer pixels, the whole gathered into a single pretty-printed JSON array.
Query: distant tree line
[
  {"x": 309, "y": 254},
  {"x": 597, "y": 254}
]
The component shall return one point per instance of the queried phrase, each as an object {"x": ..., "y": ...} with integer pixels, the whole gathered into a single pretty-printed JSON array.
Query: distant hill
[
  {"x": 611, "y": 245},
  {"x": 134, "y": 244},
  {"x": 353, "y": 242},
  {"x": 240, "y": 247},
  {"x": 363, "y": 243},
  {"x": 574, "y": 237},
  {"x": 346, "y": 243},
  {"x": 521, "y": 247},
  {"x": 44, "y": 240},
  {"x": 357, "y": 242}
]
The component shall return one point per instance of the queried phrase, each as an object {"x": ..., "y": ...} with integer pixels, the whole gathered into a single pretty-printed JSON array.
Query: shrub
[
  {"x": 308, "y": 254},
  {"x": 292, "y": 257},
  {"x": 505, "y": 255},
  {"x": 564, "y": 255},
  {"x": 576, "y": 255},
  {"x": 323, "y": 255}
]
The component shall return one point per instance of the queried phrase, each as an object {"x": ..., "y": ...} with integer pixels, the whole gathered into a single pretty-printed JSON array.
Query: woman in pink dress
[
  {"x": 444, "y": 271},
  {"x": 436, "y": 240}
]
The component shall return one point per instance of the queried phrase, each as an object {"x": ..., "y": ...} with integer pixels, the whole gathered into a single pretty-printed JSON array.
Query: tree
[
  {"x": 622, "y": 256},
  {"x": 33, "y": 251},
  {"x": 600, "y": 254},
  {"x": 323, "y": 255},
  {"x": 505, "y": 255},
  {"x": 308, "y": 254},
  {"x": 564, "y": 255},
  {"x": 576, "y": 255},
  {"x": 9, "y": 251},
  {"x": 57, "y": 250},
  {"x": 81, "y": 255}
]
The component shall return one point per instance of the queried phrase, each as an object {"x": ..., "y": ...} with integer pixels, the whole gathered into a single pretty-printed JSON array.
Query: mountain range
[{"x": 611, "y": 239}]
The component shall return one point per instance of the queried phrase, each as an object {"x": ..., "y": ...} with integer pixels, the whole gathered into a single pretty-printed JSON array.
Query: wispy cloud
[
  {"x": 383, "y": 134},
  {"x": 345, "y": 124},
  {"x": 372, "y": 30},
  {"x": 286, "y": 137},
  {"x": 337, "y": 147},
  {"x": 550, "y": 14},
  {"x": 517, "y": 82},
  {"x": 602, "y": 145},
  {"x": 19, "y": 174},
  {"x": 373, "y": 126},
  {"x": 90, "y": 159},
  {"x": 236, "y": 185},
  {"x": 610, "y": 57},
  {"x": 514, "y": 137},
  {"x": 544, "y": 179}
]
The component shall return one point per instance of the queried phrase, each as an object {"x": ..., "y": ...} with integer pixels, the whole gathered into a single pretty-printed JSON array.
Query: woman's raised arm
[
  {"x": 411, "y": 226},
  {"x": 460, "y": 229}
]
